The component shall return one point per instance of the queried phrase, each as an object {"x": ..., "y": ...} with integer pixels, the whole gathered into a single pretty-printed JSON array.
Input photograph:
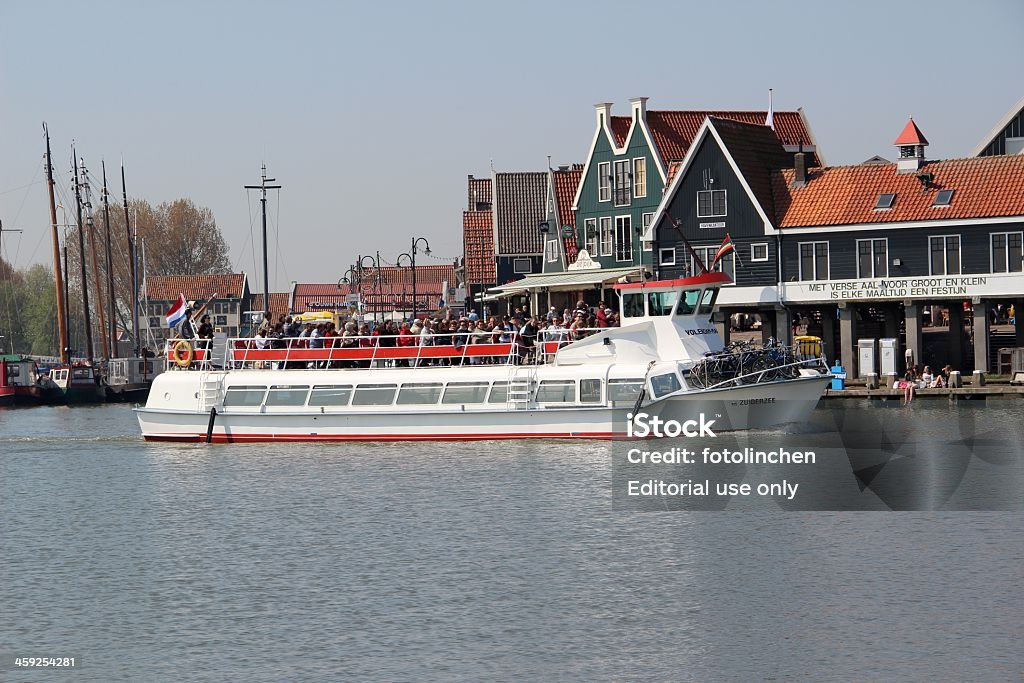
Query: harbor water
[{"x": 469, "y": 561}]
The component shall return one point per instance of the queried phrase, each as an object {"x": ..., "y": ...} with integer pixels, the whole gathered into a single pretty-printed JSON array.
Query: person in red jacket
[
  {"x": 406, "y": 339},
  {"x": 602, "y": 315}
]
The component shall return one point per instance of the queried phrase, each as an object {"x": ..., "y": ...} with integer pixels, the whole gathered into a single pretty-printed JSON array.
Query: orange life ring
[{"x": 183, "y": 353}]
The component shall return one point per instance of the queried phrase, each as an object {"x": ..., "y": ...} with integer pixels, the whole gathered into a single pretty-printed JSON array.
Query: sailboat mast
[
  {"x": 263, "y": 187},
  {"x": 110, "y": 266},
  {"x": 62, "y": 321},
  {"x": 81, "y": 254},
  {"x": 132, "y": 259},
  {"x": 95, "y": 264}
]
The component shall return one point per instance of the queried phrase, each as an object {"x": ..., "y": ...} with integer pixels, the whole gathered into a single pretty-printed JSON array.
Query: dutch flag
[{"x": 177, "y": 312}]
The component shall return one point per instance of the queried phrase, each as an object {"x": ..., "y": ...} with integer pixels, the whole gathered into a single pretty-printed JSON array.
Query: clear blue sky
[{"x": 371, "y": 114}]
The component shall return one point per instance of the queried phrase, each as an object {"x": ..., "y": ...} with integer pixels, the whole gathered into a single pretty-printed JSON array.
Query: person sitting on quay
[{"x": 909, "y": 384}]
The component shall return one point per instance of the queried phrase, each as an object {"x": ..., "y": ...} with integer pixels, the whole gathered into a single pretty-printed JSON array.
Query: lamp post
[
  {"x": 376, "y": 277},
  {"x": 412, "y": 261},
  {"x": 415, "y": 243}
]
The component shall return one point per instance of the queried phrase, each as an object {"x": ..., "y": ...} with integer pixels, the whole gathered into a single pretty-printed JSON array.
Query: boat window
[
  {"x": 283, "y": 395},
  {"x": 707, "y": 302},
  {"x": 412, "y": 394},
  {"x": 665, "y": 384},
  {"x": 661, "y": 303},
  {"x": 624, "y": 389},
  {"x": 499, "y": 393},
  {"x": 557, "y": 391},
  {"x": 590, "y": 391},
  {"x": 633, "y": 305},
  {"x": 81, "y": 373},
  {"x": 330, "y": 395},
  {"x": 244, "y": 396},
  {"x": 688, "y": 304},
  {"x": 13, "y": 371},
  {"x": 465, "y": 392},
  {"x": 374, "y": 394}
]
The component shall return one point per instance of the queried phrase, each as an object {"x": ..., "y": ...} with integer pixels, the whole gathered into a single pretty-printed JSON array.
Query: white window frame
[
  {"x": 640, "y": 176},
  {"x": 874, "y": 258},
  {"x": 712, "y": 214},
  {"x": 606, "y": 235},
  {"x": 622, "y": 190},
  {"x": 753, "y": 256},
  {"x": 945, "y": 255},
  {"x": 671, "y": 260},
  {"x": 604, "y": 181},
  {"x": 516, "y": 267},
  {"x": 592, "y": 247},
  {"x": 814, "y": 260},
  {"x": 617, "y": 242},
  {"x": 992, "y": 252},
  {"x": 551, "y": 250},
  {"x": 645, "y": 220}
]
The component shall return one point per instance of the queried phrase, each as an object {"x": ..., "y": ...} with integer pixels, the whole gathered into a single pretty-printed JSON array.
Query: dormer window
[
  {"x": 943, "y": 198},
  {"x": 885, "y": 201}
]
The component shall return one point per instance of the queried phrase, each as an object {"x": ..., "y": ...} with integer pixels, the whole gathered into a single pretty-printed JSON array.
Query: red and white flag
[
  {"x": 177, "y": 312},
  {"x": 726, "y": 247}
]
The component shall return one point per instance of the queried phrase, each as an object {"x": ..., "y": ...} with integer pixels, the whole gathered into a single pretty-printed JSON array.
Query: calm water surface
[{"x": 481, "y": 561}]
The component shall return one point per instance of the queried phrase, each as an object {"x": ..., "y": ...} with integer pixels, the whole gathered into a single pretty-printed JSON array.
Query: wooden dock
[{"x": 994, "y": 390}]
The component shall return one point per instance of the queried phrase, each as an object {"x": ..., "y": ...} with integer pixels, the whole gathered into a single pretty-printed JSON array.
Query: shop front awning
[{"x": 568, "y": 281}]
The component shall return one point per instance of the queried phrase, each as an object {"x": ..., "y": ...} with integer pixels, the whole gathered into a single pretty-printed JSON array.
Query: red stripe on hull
[{"x": 237, "y": 438}]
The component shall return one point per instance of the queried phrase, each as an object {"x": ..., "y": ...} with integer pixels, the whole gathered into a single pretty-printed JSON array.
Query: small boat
[
  {"x": 666, "y": 361},
  {"x": 73, "y": 384},
  {"x": 128, "y": 379},
  {"x": 19, "y": 384}
]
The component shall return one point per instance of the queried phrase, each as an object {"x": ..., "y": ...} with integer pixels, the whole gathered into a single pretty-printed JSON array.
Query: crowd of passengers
[{"x": 520, "y": 329}]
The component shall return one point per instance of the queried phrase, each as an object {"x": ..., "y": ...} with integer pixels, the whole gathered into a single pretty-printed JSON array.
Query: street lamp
[
  {"x": 345, "y": 279},
  {"x": 426, "y": 250},
  {"x": 376, "y": 278},
  {"x": 411, "y": 263}
]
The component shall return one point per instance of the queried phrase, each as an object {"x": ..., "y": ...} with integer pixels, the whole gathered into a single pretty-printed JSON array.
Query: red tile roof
[
  {"x": 196, "y": 287},
  {"x": 983, "y": 187},
  {"x": 478, "y": 240},
  {"x": 911, "y": 135},
  {"x": 620, "y": 128},
  {"x": 479, "y": 192},
  {"x": 757, "y": 152},
  {"x": 566, "y": 182},
  {"x": 278, "y": 303},
  {"x": 673, "y": 131},
  {"x": 520, "y": 205},
  {"x": 319, "y": 296}
]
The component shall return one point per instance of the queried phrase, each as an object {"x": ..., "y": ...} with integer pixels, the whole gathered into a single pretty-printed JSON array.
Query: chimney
[
  {"x": 799, "y": 170},
  {"x": 604, "y": 114},
  {"x": 639, "y": 105}
]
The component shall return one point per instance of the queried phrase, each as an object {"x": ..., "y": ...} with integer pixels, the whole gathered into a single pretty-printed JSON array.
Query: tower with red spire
[{"x": 911, "y": 144}]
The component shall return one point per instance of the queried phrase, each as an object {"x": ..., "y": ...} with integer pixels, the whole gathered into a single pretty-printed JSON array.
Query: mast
[
  {"x": 110, "y": 266},
  {"x": 132, "y": 259},
  {"x": 95, "y": 265},
  {"x": 62, "y": 322},
  {"x": 263, "y": 187},
  {"x": 81, "y": 253}
]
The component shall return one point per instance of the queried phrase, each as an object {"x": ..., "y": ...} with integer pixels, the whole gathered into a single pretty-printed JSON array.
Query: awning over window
[{"x": 567, "y": 281}]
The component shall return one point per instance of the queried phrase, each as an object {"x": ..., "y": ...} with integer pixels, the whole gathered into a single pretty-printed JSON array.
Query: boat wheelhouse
[
  {"x": 666, "y": 359},
  {"x": 19, "y": 384}
]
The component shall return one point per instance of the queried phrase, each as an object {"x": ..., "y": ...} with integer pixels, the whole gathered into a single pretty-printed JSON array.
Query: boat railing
[
  {"x": 376, "y": 351},
  {"x": 746, "y": 363}
]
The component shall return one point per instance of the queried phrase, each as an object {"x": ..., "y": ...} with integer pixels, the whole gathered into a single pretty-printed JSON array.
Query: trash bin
[{"x": 838, "y": 377}]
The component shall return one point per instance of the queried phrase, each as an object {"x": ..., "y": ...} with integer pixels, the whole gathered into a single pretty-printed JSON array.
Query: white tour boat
[{"x": 666, "y": 360}]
